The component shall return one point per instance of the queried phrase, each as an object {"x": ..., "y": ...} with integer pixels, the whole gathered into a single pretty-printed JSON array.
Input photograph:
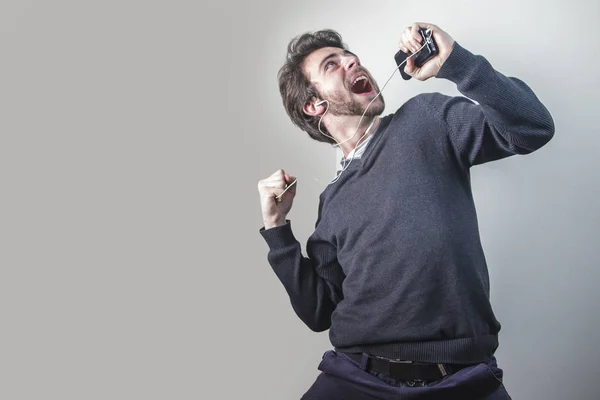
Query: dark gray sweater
[{"x": 395, "y": 265}]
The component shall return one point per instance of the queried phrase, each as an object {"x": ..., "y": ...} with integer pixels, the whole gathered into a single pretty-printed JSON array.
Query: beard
[{"x": 341, "y": 105}]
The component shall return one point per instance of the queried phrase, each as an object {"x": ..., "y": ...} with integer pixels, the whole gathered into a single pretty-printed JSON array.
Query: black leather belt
[{"x": 408, "y": 370}]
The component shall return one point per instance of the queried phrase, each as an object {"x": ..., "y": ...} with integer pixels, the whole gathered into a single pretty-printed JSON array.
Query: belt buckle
[
  {"x": 396, "y": 360},
  {"x": 401, "y": 362}
]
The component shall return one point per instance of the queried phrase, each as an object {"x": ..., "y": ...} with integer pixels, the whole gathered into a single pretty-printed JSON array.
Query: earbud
[{"x": 320, "y": 102}]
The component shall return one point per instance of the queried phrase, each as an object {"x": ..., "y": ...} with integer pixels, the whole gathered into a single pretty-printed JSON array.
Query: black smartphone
[{"x": 424, "y": 55}]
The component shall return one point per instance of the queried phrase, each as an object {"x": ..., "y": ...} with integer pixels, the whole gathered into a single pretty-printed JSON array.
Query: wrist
[{"x": 274, "y": 223}]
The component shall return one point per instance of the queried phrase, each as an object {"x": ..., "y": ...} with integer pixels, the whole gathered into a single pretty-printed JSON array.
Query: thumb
[
  {"x": 288, "y": 178},
  {"x": 410, "y": 67},
  {"x": 292, "y": 183}
]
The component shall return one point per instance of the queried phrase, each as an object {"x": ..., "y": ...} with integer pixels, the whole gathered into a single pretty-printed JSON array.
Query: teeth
[{"x": 362, "y": 77}]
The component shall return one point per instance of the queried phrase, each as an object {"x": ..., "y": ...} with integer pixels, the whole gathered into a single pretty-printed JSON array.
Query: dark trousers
[{"x": 345, "y": 379}]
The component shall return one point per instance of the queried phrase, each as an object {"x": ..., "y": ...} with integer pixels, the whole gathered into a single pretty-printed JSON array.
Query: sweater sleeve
[
  {"x": 508, "y": 120},
  {"x": 314, "y": 282}
]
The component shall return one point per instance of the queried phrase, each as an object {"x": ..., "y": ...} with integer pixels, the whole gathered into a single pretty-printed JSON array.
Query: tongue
[{"x": 361, "y": 86}]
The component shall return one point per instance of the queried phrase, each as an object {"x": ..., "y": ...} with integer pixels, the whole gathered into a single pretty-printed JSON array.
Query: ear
[{"x": 314, "y": 107}]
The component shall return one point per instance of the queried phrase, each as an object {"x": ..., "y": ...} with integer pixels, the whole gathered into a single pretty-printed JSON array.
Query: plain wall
[{"x": 133, "y": 135}]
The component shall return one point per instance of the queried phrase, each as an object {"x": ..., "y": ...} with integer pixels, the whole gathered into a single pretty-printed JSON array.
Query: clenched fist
[{"x": 275, "y": 206}]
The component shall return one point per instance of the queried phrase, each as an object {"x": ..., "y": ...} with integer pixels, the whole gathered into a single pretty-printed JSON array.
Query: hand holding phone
[{"x": 428, "y": 51}]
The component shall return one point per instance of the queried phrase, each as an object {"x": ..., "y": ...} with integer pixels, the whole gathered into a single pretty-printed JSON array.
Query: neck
[{"x": 347, "y": 133}]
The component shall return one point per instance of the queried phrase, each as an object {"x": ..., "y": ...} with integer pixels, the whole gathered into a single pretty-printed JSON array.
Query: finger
[
  {"x": 289, "y": 190},
  {"x": 426, "y": 25},
  {"x": 273, "y": 178},
  {"x": 293, "y": 189},
  {"x": 414, "y": 31},
  {"x": 288, "y": 179},
  {"x": 407, "y": 40},
  {"x": 415, "y": 38},
  {"x": 278, "y": 176},
  {"x": 274, "y": 185},
  {"x": 430, "y": 29},
  {"x": 279, "y": 173},
  {"x": 293, "y": 186},
  {"x": 410, "y": 68},
  {"x": 403, "y": 43},
  {"x": 270, "y": 194},
  {"x": 271, "y": 185}
]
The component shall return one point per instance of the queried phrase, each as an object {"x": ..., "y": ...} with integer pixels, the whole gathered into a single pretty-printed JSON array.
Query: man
[{"x": 395, "y": 267}]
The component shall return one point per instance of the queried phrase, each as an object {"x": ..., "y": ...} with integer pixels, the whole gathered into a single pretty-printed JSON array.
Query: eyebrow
[{"x": 332, "y": 55}]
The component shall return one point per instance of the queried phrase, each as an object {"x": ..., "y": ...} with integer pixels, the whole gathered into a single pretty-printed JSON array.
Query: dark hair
[{"x": 295, "y": 87}]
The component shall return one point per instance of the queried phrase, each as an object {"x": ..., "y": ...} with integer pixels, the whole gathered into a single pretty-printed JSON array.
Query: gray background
[{"x": 133, "y": 134}]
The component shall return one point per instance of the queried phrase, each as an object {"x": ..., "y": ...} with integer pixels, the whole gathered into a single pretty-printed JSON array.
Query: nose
[{"x": 351, "y": 62}]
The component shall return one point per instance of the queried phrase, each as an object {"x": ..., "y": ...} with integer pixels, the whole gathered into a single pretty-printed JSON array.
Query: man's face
[{"x": 339, "y": 78}]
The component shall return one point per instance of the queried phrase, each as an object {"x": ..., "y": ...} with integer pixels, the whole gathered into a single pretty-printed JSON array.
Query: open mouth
[{"x": 361, "y": 85}]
